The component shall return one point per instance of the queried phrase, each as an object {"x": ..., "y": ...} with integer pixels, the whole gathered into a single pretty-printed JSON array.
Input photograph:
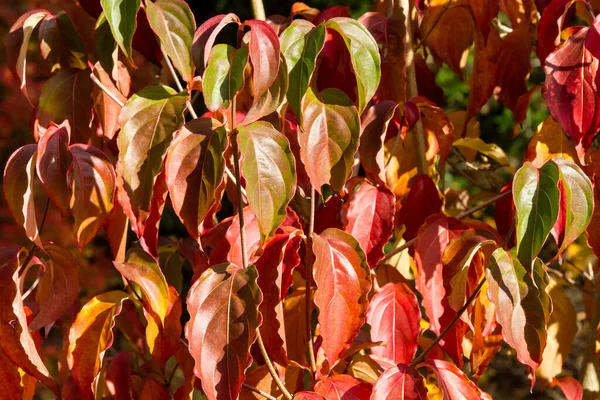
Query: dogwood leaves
[
  {"x": 121, "y": 17},
  {"x": 224, "y": 75},
  {"x": 270, "y": 173},
  {"x": 223, "y": 307}
]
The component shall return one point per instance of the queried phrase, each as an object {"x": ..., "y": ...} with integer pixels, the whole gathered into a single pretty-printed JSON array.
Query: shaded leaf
[
  {"x": 194, "y": 170},
  {"x": 10, "y": 378},
  {"x": 18, "y": 189},
  {"x": 343, "y": 282},
  {"x": 225, "y": 299},
  {"x": 174, "y": 24},
  {"x": 400, "y": 380},
  {"x": 92, "y": 180},
  {"x": 422, "y": 201},
  {"x": 105, "y": 108},
  {"x": 269, "y": 170},
  {"x": 224, "y": 75},
  {"x": 141, "y": 268},
  {"x": 60, "y": 43},
  {"x": 58, "y": 287},
  {"x": 206, "y": 35},
  {"x": 484, "y": 11},
  {"x": 374, "y": 126},
  {"x": 120, "y": 15},
  {"x": 329, "y": 137},
  {"x": 294, "y": 311},
  {"x": 522, "y": 305},
  {"x": 369, "y": 213},
  {"x": 536, "y": 196}
]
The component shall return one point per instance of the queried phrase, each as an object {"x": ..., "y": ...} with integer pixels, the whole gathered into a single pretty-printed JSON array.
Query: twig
[
  {"x": 258, "y": 9},
  {"x": 437, "y": 20},
  {"x": 459, "y": 313},
  {"x": 257, "y": 390},
  {"x": 411, "y": 88},
  {"x": 459, "y": 216},
  {"x": 309, "y": 272},
  {"x": 106, "y": 90}
]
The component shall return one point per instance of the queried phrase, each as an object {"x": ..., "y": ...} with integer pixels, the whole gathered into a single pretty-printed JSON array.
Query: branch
[
  {"x": 258, "y": 9},
  {"x": 411, "y": 87},
  {"x": 309, "y": 273},
  {"x": 459, "y": 216},
  {"x": 257, "y": 390}
]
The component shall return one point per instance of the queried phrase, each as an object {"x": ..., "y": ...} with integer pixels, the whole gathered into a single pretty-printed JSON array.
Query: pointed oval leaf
[
  {"x": 121, "y": 16},
  {"x": 206, "y": 35},
  {"x": 264, "y": 51},
  {"x": 343, "y": 281},
  {"x": 148, "y": 122},
  {"x": 329, "y": 137},
  {"x": 422, "y": 201},
  {"x": 364, "y": 54},
  {"x": 164, "y": 338},
  {"x": 308, "y": 396},
  {"x": 194, "y": 170},
  {"x": 395, "y": 317},
  {"x": 15, "y": 338},
  {"x": 224, "y": 75},
  {"x": 453, "y": 383},
  {"x": 341, "y": 387},
  {"x": 536, "y": 196},
  {"x": 67, "y": 96},
  {"x": 522, "y": 305},
  {"x": 53, "y": 162},
  {"x": 58, "y": 287},
  {"x": 18, "y": 189},
  {"x": 60, "y": 43},
  {"x": 141, "y": 268},
  {"x": 578, "y": 201},
  {"x": 270, "y": 172},
  {"x": 89, "y": 338},
  {"x": 402, "y": 381},
  {"x": 105, "y": 108},
  {"x": 301, "y": 44},
  {"x": 92, "y": 180},
  {"x": 174, "y": 24},
  {"x": 370, "y": 218},
  {"x": 17, "y": 42},
  {"x": 225, "y": 300}
]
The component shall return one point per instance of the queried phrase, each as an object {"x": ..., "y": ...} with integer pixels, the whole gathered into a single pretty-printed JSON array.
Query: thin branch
[
  {"x": 106, "y": 90},
  {"x": 258, "y": 9},
  {"x": 437, "y": 20},
  {"x": 459, "y": 216},
  {"x": 411, "y": 88},
  {"x": 258, "y": 391},
  {"x": 459, "y": 314},
  {"x": 32, "y": 249},
  {"x": 309, "y": 267},
  {"x": 271, "y": 367}
]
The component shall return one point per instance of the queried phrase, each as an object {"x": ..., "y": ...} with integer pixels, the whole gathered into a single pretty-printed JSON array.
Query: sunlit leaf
[
  {"x": 400, "y": 380},
  {"x": 224, "y": 75},
  {"x": 454, "y": 384},
  {"x": 271, "y": 100},
  {"x": 105, "y": 108},
  {"x": 340, "y": 387},
  {"x": 225, "y": 301},
  {"x": 343, "y": 282},
  {"x": 549, "y": 141},
  {"x": 490, "y": 150},
  {"x": 329, "y": 137},
  {"x": 206, "y": 35},
  {"x": 164, "y": 338},
  {"x": 264, "y": 52},
  {"x": 120, "y": 15}
]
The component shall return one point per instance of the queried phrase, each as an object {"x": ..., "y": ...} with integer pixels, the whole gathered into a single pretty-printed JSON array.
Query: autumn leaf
[
  {"x": 454, "y": 384},
  {"x": 206, "y": 35},
  {"x": 60, "y": 44},
  {"x": 224, "y": 75},
  {"x": 422, "y": 201},
  {"x": 400, "y": 380},
  {"x": 263, "y": 51},
  {"x": 164, "y": 338},
  {"x": 340, "y": 387},
  {"x": 119, "y": 16},
  {"x": 549, "y": 141},
  {"x": 105, "y": 108}
]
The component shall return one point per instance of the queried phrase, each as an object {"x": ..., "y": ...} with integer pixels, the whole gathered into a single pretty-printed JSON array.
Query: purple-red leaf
[
  {"x": 422, "y": 201},
  {"x": 205, "y": 37}
]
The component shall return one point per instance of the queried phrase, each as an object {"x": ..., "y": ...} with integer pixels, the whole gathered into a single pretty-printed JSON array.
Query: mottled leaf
[
  {"x": 329, "y": 137},
  {"x": 343, "y": 282},
  {"x": 225, "y": 300},
  {"x": 224, "y": 75},
  {"x": 174, "y": 24}
]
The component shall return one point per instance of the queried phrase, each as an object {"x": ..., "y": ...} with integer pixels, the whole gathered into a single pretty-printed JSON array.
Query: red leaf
[
  {"x": 205, "y": 37},
  {"x": 550, "y": 26},
  {"x": 118, "y": 376},
  {"x": 144, "y": 39},
  {"x": 105, "y": 108},
  {"x": 453, "y": 382},
  {"x": 504, "y": 215},
  {"x": 308, "y": 396},
  {"x": 53, "y": 162},
  {"x": 335, "y": 69},
  {"x": 395, "y": 317},
  {"x": 432, "y": 240},
  {"x": 10, "y": 378},
  {"x": 264, "y": 54},
  {"x": 331, "y": 12},
  {"x": 58, "y": 288},
  {"x": 224, "y": 317},
  {"x": 329, "y": 214},
  {"x": 422, "y": 201},
  {"x": 570, "y": 387},
  {"x": 152, "y": 390},
  {"x": 149, "y": 231},
  {"x": 343, "y": 387},
  {"x": 569, "y": 89},
  {"x": 164, "y": 339},
  {"x": 343, "y": 282},
  {"x": 15, "y": 338},
  {"x": 370, "y": 218},
  {"x": 402, "y": 381},
  {"x": 484, "y": 11}
]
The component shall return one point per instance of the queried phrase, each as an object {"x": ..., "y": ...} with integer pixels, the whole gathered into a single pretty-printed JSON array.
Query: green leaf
[
  {"x": 523, "y": 306},
  {"x": 364, "y": 53},
  {"x": 148, "y": 122},
  {"x": 578, "y": 202},
  {"x": 301, "y": 44},
  {"x": 329, "y": 137},
  {"x": 536, "y": 197},
  {"x": 270, "y": 173},
  {"x": 174, "y": 24},
  {"x": 121, "y": 16},
  {"x": 141, "y": 268},
  {"x": 17, "y": 42},
  {"x": 194, "y": 171},
  {"x": 106, "y": 45},
  {"x": 224, "y": 75},
  {"x": 60, "y": 43}
]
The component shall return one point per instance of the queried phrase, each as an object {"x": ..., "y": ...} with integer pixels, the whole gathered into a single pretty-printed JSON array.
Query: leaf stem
[
  {"x": 411, "y": 88},
  {"x": 309, "y": 268},
  {"x": 459, "y": 313},
  {"x": 258, "y": 391},
  {"x": 462, "y": 215},
  {"x": 258, "y": 9}
]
